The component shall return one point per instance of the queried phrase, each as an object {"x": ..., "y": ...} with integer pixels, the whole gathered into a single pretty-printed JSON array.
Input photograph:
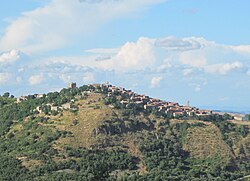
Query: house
[
  {"x": 113, "y": 89},
  {"x": 96, "y": 85},
  {"x": 124, "y": 102},
  {"x": 155, "y": 100},
  {"x": 204, "y": 112},
  {"x": 191, "y": 113},
  {"x": 173, "y": 104},
  {"x": 149, "y": 107},
  {"x": 39, "y": 109},
  {"x": 66, "y": 106},
  {"x": 161, "y": 108},
  {"x": 54, "y": 108},
  {"x": 22, "y": 98},
  {"x": 135, "y": 98},
  {"x": 239, "y": 117},
  {"x": 37, "y": 96},
  {"x": 139, "y": 104},
  {"x": 176, "y": 114}
]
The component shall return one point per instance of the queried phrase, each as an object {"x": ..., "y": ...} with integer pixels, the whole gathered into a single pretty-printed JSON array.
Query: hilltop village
[{"x": 128, "y": 99}]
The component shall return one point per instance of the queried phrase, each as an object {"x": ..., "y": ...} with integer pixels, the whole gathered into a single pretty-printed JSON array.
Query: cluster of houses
[
  {"x": 128, "y": 98},
  {"x": 66, "y": 106},
  {"x": 39, "y": 109},
  {"x": 23, "y": 98}
]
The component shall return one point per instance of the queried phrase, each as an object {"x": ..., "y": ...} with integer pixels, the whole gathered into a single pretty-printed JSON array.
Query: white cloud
[
  {"x": 36, "y": 79},
  {"x": 62, "y": 22},
  {"x": 88, "y": 78},
  {"x": 131, "y": 56},
  {"x": 4, "y": 77},
  {"x": 146, "y": 54},
  {"x": 176, "y": 44},
  {"x": 135, "y": 56},
  {"x": 197, "y": 59},
  {"x": 242, "y": 49},
  {"x": 163, "y": 67},
  {"x": 187, "y": 71},
  {"x": 103, "y": 50},
  {"x": 223, "y": 68},
  {"x": 155, "y": 81},
  {"x": 9, "y": 57}
]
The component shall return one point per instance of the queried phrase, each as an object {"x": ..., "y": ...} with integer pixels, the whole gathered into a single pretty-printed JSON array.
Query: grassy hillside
[{"x": 97, "y": 139}]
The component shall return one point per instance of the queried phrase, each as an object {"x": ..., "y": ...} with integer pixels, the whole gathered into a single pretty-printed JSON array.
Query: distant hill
[{"x": 102, "y": 132}]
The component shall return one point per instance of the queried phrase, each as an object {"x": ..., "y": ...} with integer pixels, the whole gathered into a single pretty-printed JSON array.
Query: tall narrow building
[{"x": 72, "y": 85}]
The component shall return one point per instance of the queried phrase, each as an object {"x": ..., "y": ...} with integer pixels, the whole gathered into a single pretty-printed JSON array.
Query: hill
[{"x": 101, "y": 132}]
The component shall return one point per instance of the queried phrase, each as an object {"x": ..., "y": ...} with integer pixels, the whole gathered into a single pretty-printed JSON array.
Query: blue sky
[{"x": 176, "y": 50}]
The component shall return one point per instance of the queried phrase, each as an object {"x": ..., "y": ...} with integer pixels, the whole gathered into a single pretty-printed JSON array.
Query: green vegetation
[{"x": 100, "y": 139}]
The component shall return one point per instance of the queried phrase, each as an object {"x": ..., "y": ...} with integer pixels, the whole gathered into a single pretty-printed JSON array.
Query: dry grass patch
[
  {"x": 87, "y": 120},
  {"x": 175, "y": 121},
  {"x": 16, "y": 128},
  {"x": 30, "y": 164},
  {"x": 133, "y": 149},
  {"x": 206, "y": 142},
  {"x": 246, "y": 123},
  {"x": 243, "y": 148}
]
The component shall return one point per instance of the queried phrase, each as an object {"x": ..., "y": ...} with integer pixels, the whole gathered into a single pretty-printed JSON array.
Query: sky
[{"x": 176, "y": 50}]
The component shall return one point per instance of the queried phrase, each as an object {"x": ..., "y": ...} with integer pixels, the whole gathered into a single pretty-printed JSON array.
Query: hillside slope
[{"x": 83, "y": 134}]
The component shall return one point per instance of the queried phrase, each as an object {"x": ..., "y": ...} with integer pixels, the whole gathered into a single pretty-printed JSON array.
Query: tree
[
  {"x": 247, "y": 117},
  {"x": 6, "y": 94},
  {"x": 227, "y": 116},
  {"x": 243, "y": 130}
]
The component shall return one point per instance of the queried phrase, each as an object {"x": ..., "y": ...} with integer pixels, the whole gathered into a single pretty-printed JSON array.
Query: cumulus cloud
[
  {"x": 43, "y": 29},
  {"x": 135, "y": 56},
  {"x": 131, "y": 56},
  {"x": 197, "y": 59},
  {"x": 155, "y": 81},
  {"x": 140, "y": 58},
  {"x": 9, "y": 57},
  {"x": 223, "y": 68},
  {"x": 36, "y": 79},
  {"x": 155, "y": 55}
]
